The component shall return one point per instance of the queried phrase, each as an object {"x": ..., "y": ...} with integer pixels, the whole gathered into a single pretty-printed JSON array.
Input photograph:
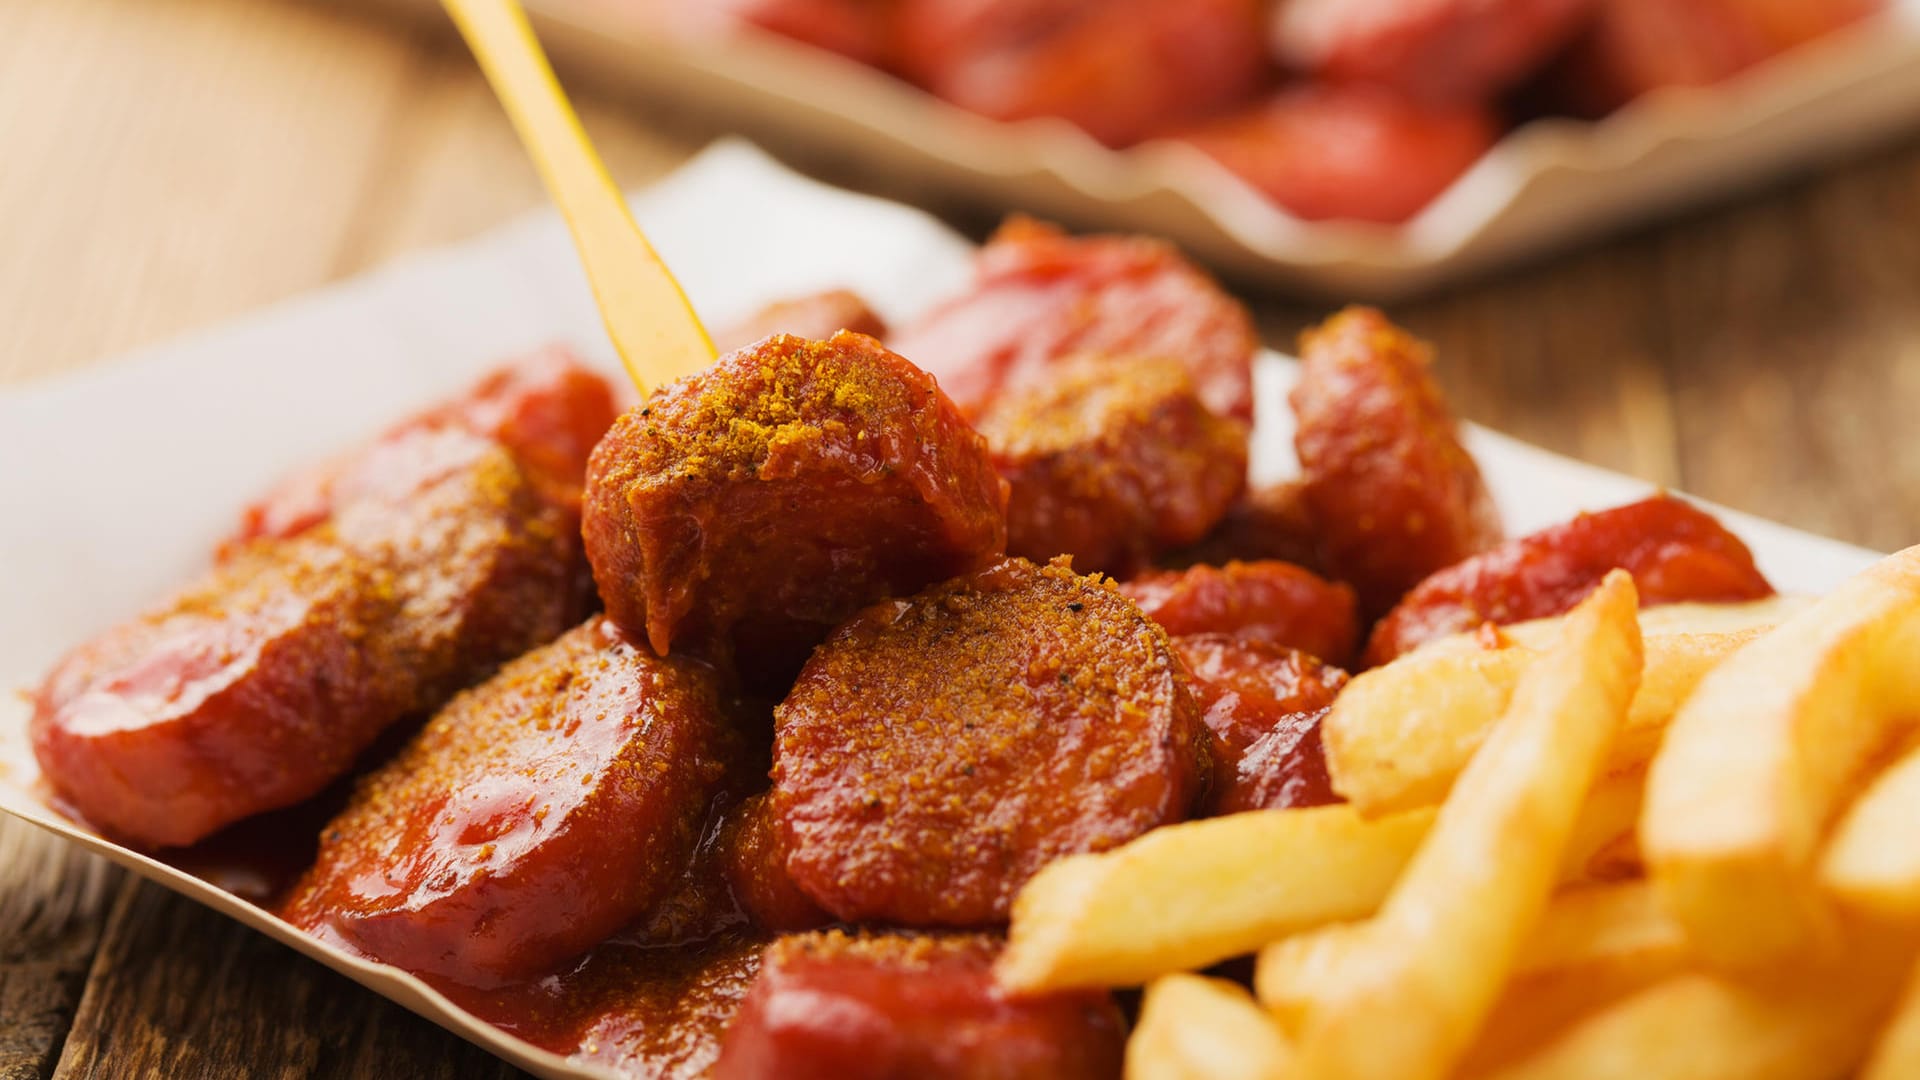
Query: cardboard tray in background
[
  {"x": 1548, "y": 184},
  {"x": 92, "y": 529}
]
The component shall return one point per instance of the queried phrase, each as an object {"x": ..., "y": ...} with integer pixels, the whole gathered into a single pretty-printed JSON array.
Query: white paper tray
[
  {"x": 1546, "y": 185},
  {"x": 114, "y": 483}
]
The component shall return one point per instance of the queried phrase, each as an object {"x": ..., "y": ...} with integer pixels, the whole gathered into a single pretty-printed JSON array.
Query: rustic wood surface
[{"x": 169, "y": 163}]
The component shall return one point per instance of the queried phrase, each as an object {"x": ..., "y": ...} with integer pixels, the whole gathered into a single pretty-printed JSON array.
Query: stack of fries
[{"x": 1680, "y": 843}]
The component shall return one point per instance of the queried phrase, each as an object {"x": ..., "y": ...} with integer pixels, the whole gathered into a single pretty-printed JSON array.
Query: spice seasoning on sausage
[
  {"x": 259, "y": 685},
  {"x": 938, "y": 751},
  {"x": 1113, "y": 461},
  {"x": 533, "y": 817},
  {"x": 748, "y": 509}
]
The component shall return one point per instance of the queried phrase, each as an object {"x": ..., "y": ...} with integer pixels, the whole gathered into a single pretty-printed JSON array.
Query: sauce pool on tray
[{"x": 846, "y": 696}]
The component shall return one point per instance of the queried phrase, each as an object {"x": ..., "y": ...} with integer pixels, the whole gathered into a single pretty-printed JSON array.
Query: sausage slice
[
  {"x": 1674, "y": 550},
  {"x": 836, "y": 1006},
  {"x": 1394, "y": 494},
  {"x": 1113, "y": 461},
  {"x": 257, "y": 686},
  {"x": 534, "y": 816},
  {"x": 1263, "y": 704},
  {"x": 754, "y": 506},
  {"x": 1273, "y": 602},
  {"x": 1040, "y": 295},
  {"x": 938, "y": 751}
]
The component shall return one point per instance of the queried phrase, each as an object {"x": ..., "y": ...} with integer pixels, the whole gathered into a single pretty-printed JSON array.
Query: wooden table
[{"x": 172, "y": 162}]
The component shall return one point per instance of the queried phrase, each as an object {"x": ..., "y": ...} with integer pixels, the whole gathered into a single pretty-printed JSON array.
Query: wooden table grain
[{"x": 169, "y": 163}]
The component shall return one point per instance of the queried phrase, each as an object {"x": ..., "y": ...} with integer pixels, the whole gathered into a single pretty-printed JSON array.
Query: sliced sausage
[
  {"x": 938, "y": 751},
  {"x": 548, "y": 410},
  {"x": 1395, "y": 495},
  {"x": 816, "y": 317},
  {"x": 1267, "y": 522},
  {"x": 1272, "y": 602},
  {"x": 257, "y": 686},
  {"x": 1113, "y": 462},
  {"x": 753, "y": 855},
  {"x": 835, "y": 1006},
  {"x": 1432, "y": 50},
  {"x": 752, "y": 507},
  {"x": 1122, "y": 70},
  {"x": 534, "y": 816},
  {"x": 1040, "y": 295},
  {"x": 1263, "y": 704},
  {"x": 1674, "y": 550},
  {"x": 1394, "y": 155},
  {"x": 1634, "y": 47}
]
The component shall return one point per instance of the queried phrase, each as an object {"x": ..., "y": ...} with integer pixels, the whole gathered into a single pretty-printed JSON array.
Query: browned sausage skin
[
  {"x": 836, "y": 1006},
  {"x": 938, "y": 751},
  {"x": 1273, "y": 602},
  {"x": 1040, "y": 295},
  {"x": 1394, "y": 494},
  {"x": 750, "y": 508},
  {"x": 1113, "y": 461},
  {"x": 258, "y": 686},
  {"x": 534, "y": 816},
  {"x": 547, "y": 409}
]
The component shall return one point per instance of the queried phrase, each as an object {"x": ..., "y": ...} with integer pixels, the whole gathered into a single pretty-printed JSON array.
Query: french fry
[
  {"x": 1192, "y": 1028},
  {"x": 1583, "y": 933},
  {"x": 1398, "y": 735},
  {"x": 1806, "y": 1022},
  {"x": 1873, "y": 860},
  {"x": 1189, "y": 895},
  {"x": 1685, "y": 618},
  {"x": 1896, "y": 1053},
  {"x": 1185, "y": 896},
  {"x": 1759, "y": 761},
  {"x": 1603, "y": 846},
  {"x": 1534, "y": 1009},
  {"x": 1430, "y": 966}
]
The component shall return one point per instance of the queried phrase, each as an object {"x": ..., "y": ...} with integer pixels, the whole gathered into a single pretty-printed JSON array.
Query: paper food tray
[
  {"x": 117, "y": 480},
  {"x": 1548, "y": 184}
]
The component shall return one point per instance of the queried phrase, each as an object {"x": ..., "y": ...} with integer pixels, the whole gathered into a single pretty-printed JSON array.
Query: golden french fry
[
  {"x": 1430, "y": 966},
  {"x": 1189, "y": 895},
  {"x": 1193, "y": 1028},
  {"x": 1399, "y": 734},
  {"x": 1873, "y": 860},
  {"x": 1534, "y": 1009},
  {"x": 1185, "y": 896},
  {"x": 1896, "y": 1053},
  {"x": 1758, "y": 762},
  {"x": 1603, "y": 846},
  {"x": 1583, "y": 932},
  {"x": 1294, "y": 974},
  {"x": 1684, "y": 618},
  {"x": 1807, "y": 1022}
]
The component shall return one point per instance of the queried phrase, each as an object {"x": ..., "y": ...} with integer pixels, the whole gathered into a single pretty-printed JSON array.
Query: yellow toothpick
[{"x": 653, "y": 327}]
